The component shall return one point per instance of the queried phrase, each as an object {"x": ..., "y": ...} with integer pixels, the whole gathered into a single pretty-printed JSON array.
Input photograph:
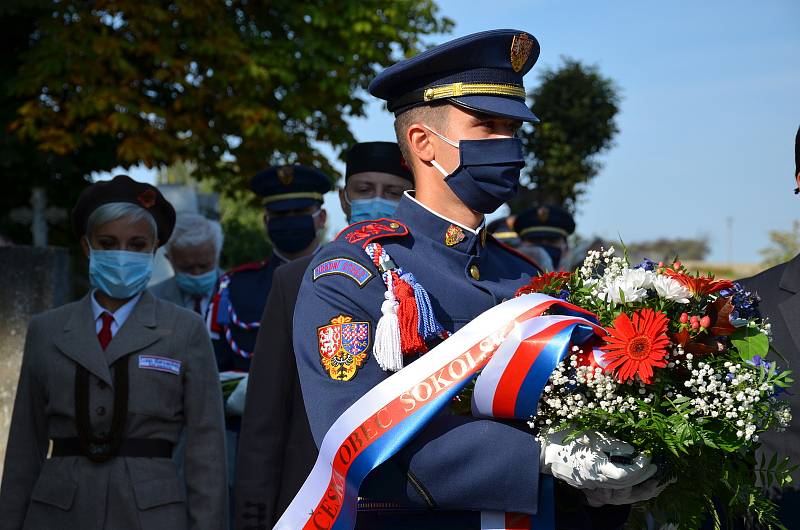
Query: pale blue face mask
[
  {"x": 196, "y": 284},
  {"x": 374, "y": 208},
  {"x": 120, "y": 273}
]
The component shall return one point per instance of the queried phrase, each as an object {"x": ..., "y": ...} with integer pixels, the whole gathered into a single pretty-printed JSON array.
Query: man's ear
[
  {"x": 322, "y": 218},
  {"x": 343, "y": 202},
  {"x": 797, "y": 180},
  {"x": 418, "y": 138}
]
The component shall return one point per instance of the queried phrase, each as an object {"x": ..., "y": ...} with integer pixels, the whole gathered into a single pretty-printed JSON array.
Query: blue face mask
[
  {"x": 119, "y": 273},
  {"x": 488, "y": 174},
  {"x": 293, "y": 233},
  {"x": 196, "y": 284},
  {"x": 368, "y": 209}
]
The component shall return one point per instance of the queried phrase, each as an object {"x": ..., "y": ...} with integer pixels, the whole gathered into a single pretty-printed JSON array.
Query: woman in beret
[{"x": 108, "y": 384}]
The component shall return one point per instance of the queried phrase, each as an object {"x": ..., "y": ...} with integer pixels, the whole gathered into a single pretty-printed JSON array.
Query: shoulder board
[
  {"x": 365, "y": 232},
  {"x": 252, "y": 266},
  {"x": 516, "y": 252}
]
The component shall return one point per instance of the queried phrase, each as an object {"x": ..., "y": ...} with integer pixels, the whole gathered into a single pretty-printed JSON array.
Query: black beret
[
  {"x": 384, "y": 157},
  {"x": 544, "y": 221},
  {"x": 122, "y": 188},
  {"x": 290, "y": 187}
]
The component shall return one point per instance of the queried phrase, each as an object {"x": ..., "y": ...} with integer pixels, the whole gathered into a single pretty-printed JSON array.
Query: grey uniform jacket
[
  {"x": 66, "y": 493},
  {"x": 168, "y": 290}
]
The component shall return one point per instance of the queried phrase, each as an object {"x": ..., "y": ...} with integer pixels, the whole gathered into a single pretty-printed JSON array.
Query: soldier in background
[
  {"x": 193, "y": 251},
  {"x": 295, "y": 223},
  {"x": 547, "y": 227},
  {"x": 276, "y": 449}
]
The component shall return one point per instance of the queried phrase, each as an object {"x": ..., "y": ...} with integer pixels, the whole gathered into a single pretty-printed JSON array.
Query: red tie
[
  {"x": 105, "y": 332},
  {"x": 198, "y": 307}
]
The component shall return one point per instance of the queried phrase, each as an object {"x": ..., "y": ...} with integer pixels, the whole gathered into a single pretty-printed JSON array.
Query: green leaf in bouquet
[{"x": 750, "y": 342}]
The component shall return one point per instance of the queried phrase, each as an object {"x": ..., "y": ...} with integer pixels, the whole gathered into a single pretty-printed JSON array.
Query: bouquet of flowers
[{"x": 685, "y": 374}]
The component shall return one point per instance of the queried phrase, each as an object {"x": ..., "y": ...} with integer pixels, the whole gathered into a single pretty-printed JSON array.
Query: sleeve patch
[
  {"x": 344, "y": 267},
  {"x": 343, "y": 346}
]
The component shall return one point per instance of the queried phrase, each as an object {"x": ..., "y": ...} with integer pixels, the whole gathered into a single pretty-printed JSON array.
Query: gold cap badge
[
  {"x": 521, "y": 46},
  {"x": 543, "y": 213},
  {"x": 286, "y": 175}
]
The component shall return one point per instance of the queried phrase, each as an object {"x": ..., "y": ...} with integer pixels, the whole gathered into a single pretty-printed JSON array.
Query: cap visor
[{"x": 497, "y": 106}]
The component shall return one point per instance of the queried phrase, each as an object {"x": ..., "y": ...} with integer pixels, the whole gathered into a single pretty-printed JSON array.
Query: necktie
[
  {"x": 198, "y": 305},
  {"x": 105, "y": 332}
]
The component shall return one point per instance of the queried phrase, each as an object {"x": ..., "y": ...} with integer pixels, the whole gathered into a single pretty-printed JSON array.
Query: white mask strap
[
  {"x": 443, "y": 137},
  {"x": 438, "y": 166}
]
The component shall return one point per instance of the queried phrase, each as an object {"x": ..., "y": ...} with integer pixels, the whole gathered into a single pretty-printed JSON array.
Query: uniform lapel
[
  {"x": 139, "y": 330},
  {"x": 78, "y": 340},
  {"x": 790, "y": 308}
]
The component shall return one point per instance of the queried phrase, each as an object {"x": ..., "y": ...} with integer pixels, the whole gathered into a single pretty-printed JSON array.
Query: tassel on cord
[
  {"x": 408, "y": 318},
  {"x": 428, "y": 327},
  {"x": 387, "y": 348}
]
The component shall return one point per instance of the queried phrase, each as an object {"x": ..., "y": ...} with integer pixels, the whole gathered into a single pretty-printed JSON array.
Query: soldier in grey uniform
[{"x": 108, "y": 384}]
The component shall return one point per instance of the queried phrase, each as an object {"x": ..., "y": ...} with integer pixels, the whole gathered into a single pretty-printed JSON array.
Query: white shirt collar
[
  {"x": 476, "y": 231},
  {"x": 120, "y": 315}
]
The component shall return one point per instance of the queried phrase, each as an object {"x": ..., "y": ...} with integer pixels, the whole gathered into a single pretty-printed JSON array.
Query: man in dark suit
[
  {"x": 276, "y": 447},
  {"x": 779, "y": 289}
]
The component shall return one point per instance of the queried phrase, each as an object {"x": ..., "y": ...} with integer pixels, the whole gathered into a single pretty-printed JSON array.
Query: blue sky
[{"x": 710, "y": 105}]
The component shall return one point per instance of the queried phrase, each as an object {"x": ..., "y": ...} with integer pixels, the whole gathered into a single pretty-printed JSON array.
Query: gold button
[
  {"x": 394, "y": 226},
  {"x": 474, "y": 272}
]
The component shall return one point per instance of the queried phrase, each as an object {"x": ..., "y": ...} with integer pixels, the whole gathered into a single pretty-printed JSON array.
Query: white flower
[
  {"x": 671, "y": 289},
  {"x": 630, "y": 286}
]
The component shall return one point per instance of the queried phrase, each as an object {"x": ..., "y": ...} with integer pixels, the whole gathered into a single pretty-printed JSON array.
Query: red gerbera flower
[
  {"x": 701, "y": 285},
  {"x": 637, "y": 346},
  {"x": 553, "y": 281}
]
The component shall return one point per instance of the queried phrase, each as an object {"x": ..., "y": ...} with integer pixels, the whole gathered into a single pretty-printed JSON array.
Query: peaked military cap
[
  {"x": 384, "y": 157},
  {"x": 290, "y": 187},
  {"x": 481, "y": 72},
  {"x": 122, "y": 188},
  {"x": 502, "y": 231},
  {"x": 544, "y": 221}
]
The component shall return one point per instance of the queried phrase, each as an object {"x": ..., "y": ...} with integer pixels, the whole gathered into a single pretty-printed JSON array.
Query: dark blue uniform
[
  {"x": 245, "y": 289},
  {"x": 456, "y": 463}
]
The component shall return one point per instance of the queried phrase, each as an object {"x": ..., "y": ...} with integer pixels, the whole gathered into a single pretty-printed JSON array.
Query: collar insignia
[
  {"x": 521, "y": 46},
  {"x": 453, "y": 236}
]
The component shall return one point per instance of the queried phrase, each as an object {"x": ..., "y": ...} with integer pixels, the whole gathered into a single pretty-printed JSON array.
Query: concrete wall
[{"x": 32, "y": 280}]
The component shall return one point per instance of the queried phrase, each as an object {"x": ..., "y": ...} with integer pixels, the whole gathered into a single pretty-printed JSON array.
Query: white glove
[
  {"x": 585, "y": 462},
  {"x": 234, "y": 406},
  {"x": 641, "y": 492}
]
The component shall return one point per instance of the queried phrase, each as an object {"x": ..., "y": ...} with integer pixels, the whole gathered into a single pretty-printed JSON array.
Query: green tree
[
  {"x": 232, "y": 85},
  {"x": 577, "y": 106},
  {"x": 784, "y": 245}
]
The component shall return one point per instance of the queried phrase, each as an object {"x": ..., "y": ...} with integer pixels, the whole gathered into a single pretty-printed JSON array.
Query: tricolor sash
[{"x": 512, "y": 343}]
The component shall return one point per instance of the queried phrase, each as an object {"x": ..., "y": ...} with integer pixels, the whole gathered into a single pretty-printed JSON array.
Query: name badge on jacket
[{"x": 160, "y": 364}]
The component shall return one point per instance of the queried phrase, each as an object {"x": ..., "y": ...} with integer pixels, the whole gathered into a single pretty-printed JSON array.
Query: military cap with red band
[{"x": 122, "y": 188}]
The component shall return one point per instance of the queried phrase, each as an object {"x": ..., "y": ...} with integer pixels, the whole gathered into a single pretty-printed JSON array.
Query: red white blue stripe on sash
[{"x": 384, "y": 419}]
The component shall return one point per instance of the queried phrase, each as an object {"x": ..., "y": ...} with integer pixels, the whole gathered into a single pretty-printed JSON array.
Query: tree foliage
[
  {"x": 231, "y": 85},
  {"x": 577, "y": 106},
  {"x": 784, "y": 245}
]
